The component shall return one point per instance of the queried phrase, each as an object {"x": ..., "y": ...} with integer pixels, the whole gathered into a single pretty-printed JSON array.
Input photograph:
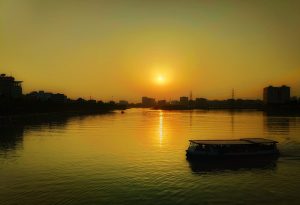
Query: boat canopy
[
  {"x": 260, "y": 140},
  {"x": 244, "y": 141}
]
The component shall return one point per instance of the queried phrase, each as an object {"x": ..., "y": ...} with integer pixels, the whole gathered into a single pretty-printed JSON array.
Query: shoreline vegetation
[
  {"x": 15, "y": 110},
  {"x": 19, "y": 110},
  {"x": 22, "y": 107},
  {"x": 58, "y": 118},
  {"x": 54, "y": 118}
]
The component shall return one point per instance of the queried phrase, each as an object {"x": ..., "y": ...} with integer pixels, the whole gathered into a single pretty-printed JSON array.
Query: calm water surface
[{"x": 139, "y": 157}]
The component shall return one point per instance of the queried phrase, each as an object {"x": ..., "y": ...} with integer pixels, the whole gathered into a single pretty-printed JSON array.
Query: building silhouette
[
  {"x": 174, "y": 102},
  {"x": 59, "y": 98},
  {"x": 184, "y": 100},
  {"x": 161, "y": 102},
  {"x": 146, "y": 101},
  {"x": 123, "y": 102},
  {"x": 276, "y": 95},
  {"x": 9, "y": 87},
  {"x": 201, "y": 102},
  {"x": 43, "y": 96}
]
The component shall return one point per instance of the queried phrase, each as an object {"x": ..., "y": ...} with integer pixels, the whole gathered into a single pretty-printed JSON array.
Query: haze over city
[{"x": 125, "y": 50}]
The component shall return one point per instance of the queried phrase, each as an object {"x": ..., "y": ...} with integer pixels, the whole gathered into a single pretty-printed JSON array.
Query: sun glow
[
  {"x": 160, "y": 80},
  {"x": 161, "y": 75}
]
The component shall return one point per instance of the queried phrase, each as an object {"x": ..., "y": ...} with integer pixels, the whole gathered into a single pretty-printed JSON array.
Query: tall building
[
  {"x": 9, "y": 88},
  {"x": 277, "y": 95}
]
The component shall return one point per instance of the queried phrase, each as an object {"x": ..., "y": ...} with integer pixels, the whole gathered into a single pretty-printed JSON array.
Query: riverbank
[
  {"x": 20, "y": 112},
  {"x": 33, "y": 118}
]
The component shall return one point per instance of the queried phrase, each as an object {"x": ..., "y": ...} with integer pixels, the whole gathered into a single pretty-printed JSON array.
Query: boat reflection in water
[{"x": 212, "y": 165}]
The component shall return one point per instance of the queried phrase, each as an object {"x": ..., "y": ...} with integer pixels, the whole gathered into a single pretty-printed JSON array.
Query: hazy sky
[{"x": 163, "y": 49}]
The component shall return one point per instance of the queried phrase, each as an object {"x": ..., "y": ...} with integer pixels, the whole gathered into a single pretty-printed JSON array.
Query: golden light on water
[{"x": 161, "y": 134}]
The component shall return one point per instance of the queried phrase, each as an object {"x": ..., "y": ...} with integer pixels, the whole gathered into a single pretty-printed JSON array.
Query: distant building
[
  {"x": 123, "y": 102},
  {"x": 46, "y": 96},
  {"x": 277, "y": 95},
  {"x": 184, "y": 100},
  {"x": 112, "y": 102},
  {"x": 59, "y": 98},
  {"x": 174, "y": 102},
  {"x": 80, "y": 100},
  {"x": 162, "y": 102},
  {"x": 9, "y": 88},
  {"x": 148, "y": 101},
  {"x": 201, "y": 102},
  {"x": 92, "y": 101},
  {"x": 40, "y": 95}
]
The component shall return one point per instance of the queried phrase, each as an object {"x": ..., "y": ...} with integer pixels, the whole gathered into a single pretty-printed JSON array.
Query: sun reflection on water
[{"x": 160, "y": 127}]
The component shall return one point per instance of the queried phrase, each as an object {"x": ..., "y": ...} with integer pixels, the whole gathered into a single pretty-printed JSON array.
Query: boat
[{"x": 240, "y": 148}]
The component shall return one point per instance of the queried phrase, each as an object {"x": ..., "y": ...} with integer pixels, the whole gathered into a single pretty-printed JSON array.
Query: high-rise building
[
  {"x": 277, "y": 95},
  {"x": 9, "y": 88}
]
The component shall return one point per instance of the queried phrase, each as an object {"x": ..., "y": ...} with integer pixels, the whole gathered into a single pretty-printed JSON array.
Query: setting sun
[{"x": 160, "y": 79}]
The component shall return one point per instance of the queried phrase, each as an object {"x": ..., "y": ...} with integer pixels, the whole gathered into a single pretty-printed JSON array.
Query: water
[{"x": 139, "y": 158}]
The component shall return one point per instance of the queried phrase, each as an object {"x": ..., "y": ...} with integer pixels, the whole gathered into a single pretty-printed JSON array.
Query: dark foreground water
[{"x": 139, "y": 158}]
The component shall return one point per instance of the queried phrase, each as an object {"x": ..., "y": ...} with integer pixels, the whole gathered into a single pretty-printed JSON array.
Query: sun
[{"x": 160, "y": 79}]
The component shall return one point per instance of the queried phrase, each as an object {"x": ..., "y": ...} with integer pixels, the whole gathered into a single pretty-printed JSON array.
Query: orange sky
[{"x": 119, "y": 50}]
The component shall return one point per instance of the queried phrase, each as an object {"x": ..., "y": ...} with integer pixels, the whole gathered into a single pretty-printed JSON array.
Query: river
[{"x": 139, "y": 158}]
